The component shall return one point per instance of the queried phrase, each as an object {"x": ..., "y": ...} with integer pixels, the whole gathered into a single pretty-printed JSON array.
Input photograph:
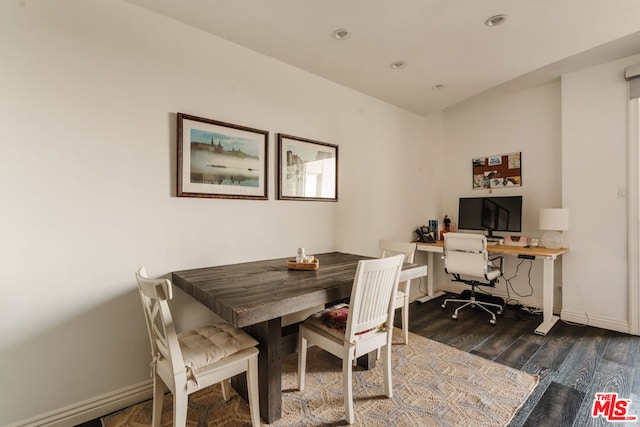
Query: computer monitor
[{"x": 490, "y": 214}]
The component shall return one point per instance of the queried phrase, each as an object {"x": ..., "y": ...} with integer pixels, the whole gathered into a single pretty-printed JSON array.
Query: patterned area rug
[{"x": 434, "y": 385}]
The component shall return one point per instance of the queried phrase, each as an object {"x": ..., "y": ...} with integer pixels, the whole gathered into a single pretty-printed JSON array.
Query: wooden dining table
[{"x": 257, "y": 295}]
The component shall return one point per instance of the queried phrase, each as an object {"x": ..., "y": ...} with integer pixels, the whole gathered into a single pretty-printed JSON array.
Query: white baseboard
[
  {"x": 90, "y": 409},
  {"x": 582, "y": 318}
]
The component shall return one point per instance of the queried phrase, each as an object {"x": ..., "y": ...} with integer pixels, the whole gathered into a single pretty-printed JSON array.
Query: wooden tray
[{"x": 293, "y": 265}]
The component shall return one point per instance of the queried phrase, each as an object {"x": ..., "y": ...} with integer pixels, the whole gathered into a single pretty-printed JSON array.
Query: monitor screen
[{"x": 490, "y": 213}]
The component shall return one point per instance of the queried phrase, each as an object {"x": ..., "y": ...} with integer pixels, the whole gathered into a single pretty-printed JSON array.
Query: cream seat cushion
[{"x": 206, "y": 345}]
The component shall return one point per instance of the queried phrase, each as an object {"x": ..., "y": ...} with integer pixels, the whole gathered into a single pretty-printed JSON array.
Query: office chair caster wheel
[
  {"x": 499, "y": 311},
  {"x": 443, "y": 305},
  {"x": 492, "y": 321},
  {"x": 454, "y": 316}
]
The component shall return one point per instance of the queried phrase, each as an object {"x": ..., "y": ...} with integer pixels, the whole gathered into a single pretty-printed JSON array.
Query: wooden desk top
[
  {"x": 252, "y": 292},
  {"x": 505, "y": 249}
]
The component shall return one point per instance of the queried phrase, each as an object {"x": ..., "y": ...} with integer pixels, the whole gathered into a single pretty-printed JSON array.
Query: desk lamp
[{"x": 554, "y": 221}]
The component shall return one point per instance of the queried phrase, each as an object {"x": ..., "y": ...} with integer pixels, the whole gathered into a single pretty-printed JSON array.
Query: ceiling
[{"x": 444, "y": 42}]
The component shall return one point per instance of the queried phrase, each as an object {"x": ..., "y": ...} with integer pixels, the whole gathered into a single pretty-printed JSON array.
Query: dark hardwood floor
[{"x": 573, "y": 362}]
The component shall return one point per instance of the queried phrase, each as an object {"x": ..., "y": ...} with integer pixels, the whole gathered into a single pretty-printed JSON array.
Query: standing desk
[{"x": 547, "y": 255}]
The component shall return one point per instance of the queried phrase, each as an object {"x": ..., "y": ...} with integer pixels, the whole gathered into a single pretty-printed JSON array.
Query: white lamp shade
[{"x": 554, "y": 219}]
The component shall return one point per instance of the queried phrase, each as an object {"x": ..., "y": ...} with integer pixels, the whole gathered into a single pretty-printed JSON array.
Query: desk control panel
[{"x": 524, "y": 256}]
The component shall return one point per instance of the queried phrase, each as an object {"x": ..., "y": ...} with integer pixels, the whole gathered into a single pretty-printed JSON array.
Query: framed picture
[
  {"x": 307, "y": 169},
  {"x": 504, "y": 170},
  {"x": 221, "y": 160}
]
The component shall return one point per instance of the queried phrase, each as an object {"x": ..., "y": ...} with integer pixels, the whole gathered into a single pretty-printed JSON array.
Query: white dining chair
[
  {"x": 193, "y": 359},
  {"x": 367, "y": 327},
  {"x": 390, "y": 248}
]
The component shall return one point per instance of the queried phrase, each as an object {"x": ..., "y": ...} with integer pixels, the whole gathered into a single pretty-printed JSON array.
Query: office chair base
[{"x": 473, "y": 303}]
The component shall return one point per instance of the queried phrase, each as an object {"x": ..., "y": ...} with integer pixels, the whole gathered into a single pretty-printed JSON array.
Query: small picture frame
[
  {"x": 221, "y": 160},
  {"x": 307, "y": 169}
]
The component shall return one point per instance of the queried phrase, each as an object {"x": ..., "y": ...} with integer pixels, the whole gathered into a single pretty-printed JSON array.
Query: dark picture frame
[
  {"x": 306, "y": 169},
  {"x": 221, "y": 160}
]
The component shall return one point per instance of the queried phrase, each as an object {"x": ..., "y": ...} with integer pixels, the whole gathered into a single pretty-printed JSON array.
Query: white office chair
[
  {"x": 466, "y": 254},
  {"x": 390, "y": 248},
  {"x": 369, "y": 325},
  {"x": 193, "y": 359}
]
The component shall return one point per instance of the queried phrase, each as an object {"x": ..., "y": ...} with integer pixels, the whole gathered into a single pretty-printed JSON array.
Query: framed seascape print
[
  {"x": 307, "y": 169},
  {"x": 221, "y": 160}
]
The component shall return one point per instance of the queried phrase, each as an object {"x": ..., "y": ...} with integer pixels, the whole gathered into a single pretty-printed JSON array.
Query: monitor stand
[{"x": 493, "y": 239}]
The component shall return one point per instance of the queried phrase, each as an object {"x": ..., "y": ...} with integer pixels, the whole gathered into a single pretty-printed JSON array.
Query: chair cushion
[
  {"x": 336, "y": 318},
  {"x": 317, "y": 321},
  {"x": 208, "y": 344},
  {"x": 332, "y": 320}
]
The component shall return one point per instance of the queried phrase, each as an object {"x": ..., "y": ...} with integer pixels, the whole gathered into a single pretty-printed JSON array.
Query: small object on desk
[
  {"x": 447, "y": 226},
  {"x": 301, "y": 256},
  {"x": 433, "y": 228},
  {"x": 534, "y": 243},
  {"x": 516, "y": 241},
  {"x": 294, "y": 265},
  {"x": 424, "y": 235}
]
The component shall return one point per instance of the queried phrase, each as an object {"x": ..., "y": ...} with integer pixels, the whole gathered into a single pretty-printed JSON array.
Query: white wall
[
  {"x": 529, "y": 122},
  {"x": 573, "y": 138},
  {"x": 87, "y": 129},
  {"x": 594, "y": 166},
  {"x": 398, "y": 182}
]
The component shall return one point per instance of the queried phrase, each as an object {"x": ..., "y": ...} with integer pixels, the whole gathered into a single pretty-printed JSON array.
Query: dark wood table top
[{"x": 252, "y": 292}]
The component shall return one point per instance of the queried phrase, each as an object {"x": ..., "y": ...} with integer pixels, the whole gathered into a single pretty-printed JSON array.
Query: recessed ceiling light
[
  {"x": 341, "y": 34},
  {"x": 396, "y": 65},
  {"x": 495, "y": 20},
  {"x": 438, "y": 86}
]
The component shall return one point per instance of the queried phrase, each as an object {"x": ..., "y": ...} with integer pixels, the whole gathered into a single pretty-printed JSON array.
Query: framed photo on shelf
[
  {"x": 221, "y": 160},
  {"x": 307, "y": 169}
]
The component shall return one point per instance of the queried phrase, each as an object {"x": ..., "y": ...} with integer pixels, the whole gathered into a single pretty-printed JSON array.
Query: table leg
[
  {"x": 548, "y": 318},
  {"x": 367, "y": 361},
  {"x": 269, "y": 335},
  {"x": 430, "y": 292}
]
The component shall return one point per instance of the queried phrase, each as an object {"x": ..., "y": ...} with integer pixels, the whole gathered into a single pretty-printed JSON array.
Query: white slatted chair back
[
  {"x": 370, "y": 313},
  {"x": 372, "y": 295},
  {"x": 390, "y": 248}
]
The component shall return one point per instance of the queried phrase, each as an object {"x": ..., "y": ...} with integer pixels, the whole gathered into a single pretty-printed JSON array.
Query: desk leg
[
  {"x": 548, "y": 318},
  {"x": 430, "y": 293},
  {"x": 269, "y": 334}
]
